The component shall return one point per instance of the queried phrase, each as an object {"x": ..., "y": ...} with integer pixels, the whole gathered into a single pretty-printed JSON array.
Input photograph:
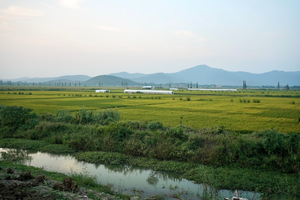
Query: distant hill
[
  {"x": 157, "y": 78},
  {"x": 201, "y": 74},
  {"x": 128, "y": 75},
  {"x": 206, "y": 75},
  {"x": 67, "y": 78},
  {"x": 108, "y": 80}
]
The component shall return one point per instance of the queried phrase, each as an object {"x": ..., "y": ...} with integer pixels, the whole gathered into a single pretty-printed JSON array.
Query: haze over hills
[
  {"x": 67, "y": 78},
  {"x": 206, "y": 75},
  {"x": 201, "y": 74},
  {"x": 108, "y": 80}
]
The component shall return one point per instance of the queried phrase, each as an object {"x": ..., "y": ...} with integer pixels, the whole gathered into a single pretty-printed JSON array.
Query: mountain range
[
  {"x": 201, "y": 74},
  {"x": 205, "y": 75}
]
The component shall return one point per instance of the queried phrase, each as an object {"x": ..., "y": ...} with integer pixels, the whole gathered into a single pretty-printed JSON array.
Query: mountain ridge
[
  {"x": 201, "y": 74},
  {"x": 205, "y": 75}
]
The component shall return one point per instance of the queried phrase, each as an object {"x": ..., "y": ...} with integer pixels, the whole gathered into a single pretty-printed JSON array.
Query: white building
[
  {"x": 148, "y": 87},
  {"x": 149, "y": 91},
  {"x": 199, "y": 89},
  {"x": 102, "y": 91}
]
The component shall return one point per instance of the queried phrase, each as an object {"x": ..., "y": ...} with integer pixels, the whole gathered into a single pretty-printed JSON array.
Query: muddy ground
[{"x": 24, "y": 186}]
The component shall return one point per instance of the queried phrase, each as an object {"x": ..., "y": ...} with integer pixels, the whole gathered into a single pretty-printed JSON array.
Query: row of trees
[
  {"x": 287, "y": 87},
  {"x": 101, "y": 84}
]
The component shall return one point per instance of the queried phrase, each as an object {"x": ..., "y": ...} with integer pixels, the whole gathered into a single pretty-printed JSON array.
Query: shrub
[
  {"x": 155, "y": 126},
  {"x": 103, "y": 117},
  {"x": 188, "y": 98},
  {"x": 177, "y": 133},
  {"x": 45, "y": 129},
  {"x": 16, "y": 117},
  {"x": 63, "y": 116}
]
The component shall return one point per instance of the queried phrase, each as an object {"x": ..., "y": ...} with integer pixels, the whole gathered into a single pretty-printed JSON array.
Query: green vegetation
[
  {"x": 83, "y": 179},
  {"x": 257, "y": 112},
  {"x": 242, "y": 139}
]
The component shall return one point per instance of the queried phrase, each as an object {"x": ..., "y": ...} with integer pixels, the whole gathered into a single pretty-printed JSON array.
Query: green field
[{"x": 244, "y": 110}]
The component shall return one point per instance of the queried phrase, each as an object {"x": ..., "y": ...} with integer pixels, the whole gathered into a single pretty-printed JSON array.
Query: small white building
[
  {"x": 147, "y": 87},
  {"x": 102, "y": 91}
]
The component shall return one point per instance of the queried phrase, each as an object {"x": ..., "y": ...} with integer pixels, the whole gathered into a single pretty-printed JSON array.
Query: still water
[{"x": 125, "y": 179}]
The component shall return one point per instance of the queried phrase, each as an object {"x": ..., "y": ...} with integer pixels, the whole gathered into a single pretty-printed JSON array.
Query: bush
[
  {"x": 16, "y": 117},
  {"x": 45, "y": 129},
  {"x": 62, "y": 116},
  {"x": 155, "y": 126},
  {"x": 104, "y": 117}
]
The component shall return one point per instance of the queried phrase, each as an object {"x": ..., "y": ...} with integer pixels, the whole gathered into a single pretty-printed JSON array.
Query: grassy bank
[
  {"x": 269, "y": 183},
  {"x": 82, "y": 179}
]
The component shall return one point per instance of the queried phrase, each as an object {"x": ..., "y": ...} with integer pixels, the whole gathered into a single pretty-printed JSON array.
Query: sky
[{"x": 50, "y": 38}]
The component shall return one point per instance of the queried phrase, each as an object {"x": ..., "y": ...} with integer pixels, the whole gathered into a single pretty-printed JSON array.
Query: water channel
[{"x": 125, "y": 179}]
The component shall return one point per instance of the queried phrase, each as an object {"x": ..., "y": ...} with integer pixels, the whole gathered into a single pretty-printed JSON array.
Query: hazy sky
[{"x": 45, "y": 38}]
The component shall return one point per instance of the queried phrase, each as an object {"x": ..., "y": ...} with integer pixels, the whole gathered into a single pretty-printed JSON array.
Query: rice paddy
[{"x": 242, "y": 111}]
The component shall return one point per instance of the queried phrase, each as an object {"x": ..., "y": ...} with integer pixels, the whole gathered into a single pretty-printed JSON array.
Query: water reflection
[
  {"x": 124, "y": 178},
  {"x": 15, "y": 155}
]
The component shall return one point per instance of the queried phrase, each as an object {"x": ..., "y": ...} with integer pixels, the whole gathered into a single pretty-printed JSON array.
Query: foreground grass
[
  {"x": 82, "y": 179},
  {"x": 266, "y": 182}
]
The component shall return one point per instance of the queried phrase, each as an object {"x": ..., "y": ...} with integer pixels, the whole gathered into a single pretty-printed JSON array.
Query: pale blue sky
[{"x": 45, "y": 38}]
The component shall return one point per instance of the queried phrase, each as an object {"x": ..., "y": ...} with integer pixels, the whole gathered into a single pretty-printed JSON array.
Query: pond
[{"x": 124, "y": 178}]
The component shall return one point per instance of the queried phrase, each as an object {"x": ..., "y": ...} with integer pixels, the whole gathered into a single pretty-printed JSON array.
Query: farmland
[{"x": 241, "y": 111}]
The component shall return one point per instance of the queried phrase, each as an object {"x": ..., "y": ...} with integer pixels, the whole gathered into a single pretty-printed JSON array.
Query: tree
[
  {"x": 278, "y": 86},
  {"x": 287, "y": 87},
  {"x": 244, "y": 85}
]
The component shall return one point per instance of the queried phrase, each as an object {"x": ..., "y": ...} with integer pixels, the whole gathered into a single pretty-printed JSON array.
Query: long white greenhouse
[
  {"x": 149, "y": 91},
  {"x": 199, "y": 89}
]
